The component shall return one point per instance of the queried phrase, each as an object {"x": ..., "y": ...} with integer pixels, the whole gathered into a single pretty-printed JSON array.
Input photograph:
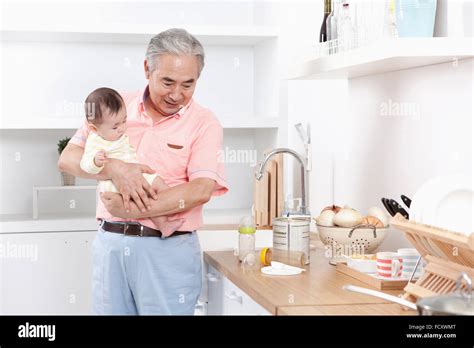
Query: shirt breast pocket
[{"x": 173, "y": 157}]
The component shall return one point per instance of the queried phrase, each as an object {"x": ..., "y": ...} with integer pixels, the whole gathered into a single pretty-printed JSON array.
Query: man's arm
[
  {"x": 127, "y": 177},
  {"x": 173, "y": 200}
]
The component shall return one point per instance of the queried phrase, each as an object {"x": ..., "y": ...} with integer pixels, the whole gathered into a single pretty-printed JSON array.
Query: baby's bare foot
[{"x": 167, "y": 227}]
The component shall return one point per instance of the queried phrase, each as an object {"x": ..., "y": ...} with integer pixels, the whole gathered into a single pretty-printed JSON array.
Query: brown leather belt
[{"x": 135, "y": 229}]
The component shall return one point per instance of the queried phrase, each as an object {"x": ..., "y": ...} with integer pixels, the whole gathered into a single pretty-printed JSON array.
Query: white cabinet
[
  {"x": 215, "y": 291},
  {"x": 225, "y": 298},
  {"x": 46, "y": 273},
  {"x": 222, "y": 240}
]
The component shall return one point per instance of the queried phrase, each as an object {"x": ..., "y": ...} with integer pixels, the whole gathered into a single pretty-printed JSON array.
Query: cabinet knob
[
  {"x": 212, "y": 277},
  {"x": 234, "y": 297}
]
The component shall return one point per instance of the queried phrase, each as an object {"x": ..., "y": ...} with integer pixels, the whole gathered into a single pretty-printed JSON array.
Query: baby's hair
[{"x": 100, "y": 100}]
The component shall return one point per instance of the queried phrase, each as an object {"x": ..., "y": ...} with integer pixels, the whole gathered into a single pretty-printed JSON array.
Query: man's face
[{"x": 172, "y": 83}]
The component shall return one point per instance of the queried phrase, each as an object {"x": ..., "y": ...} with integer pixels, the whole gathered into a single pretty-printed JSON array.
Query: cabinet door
[
  {"x": 237, "y": 302},
  {"x": 46, "y": 273},
  {"x": 215, "y": 291}
]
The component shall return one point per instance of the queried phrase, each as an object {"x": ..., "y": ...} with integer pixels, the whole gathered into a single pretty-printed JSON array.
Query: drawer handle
[
  {"x": 200, "y": 304},
  {"x": 234, "y": 297},
  {"x": 212, "y": 278}
]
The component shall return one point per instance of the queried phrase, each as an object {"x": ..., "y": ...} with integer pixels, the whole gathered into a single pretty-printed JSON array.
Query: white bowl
[{"x": 362, "y": 265}]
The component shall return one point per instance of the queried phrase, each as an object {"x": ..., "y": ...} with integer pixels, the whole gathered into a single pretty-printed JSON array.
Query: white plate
[
  {"x": 449, "y": 205},
  {"x": 419, "y": 199},
  {"x": 281, "y": 272}
]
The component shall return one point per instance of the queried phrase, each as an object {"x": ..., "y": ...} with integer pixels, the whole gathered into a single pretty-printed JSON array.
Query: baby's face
[{"x": 113, "y": 126}]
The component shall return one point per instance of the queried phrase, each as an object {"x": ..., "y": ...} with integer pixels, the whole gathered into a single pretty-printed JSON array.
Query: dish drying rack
[{"x": 446, "y": 253}]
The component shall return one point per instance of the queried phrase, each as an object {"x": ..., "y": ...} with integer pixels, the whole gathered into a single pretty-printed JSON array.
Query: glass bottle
[
  {"x": 323, "y": 35},
  {"x": 335, "y": 20},
  {"x": 328, "y": 28},
  {"x": 346, "y": 29},
  {"x": 288, "y": 257}
]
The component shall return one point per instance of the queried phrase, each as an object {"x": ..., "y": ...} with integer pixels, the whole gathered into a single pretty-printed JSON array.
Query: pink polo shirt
[{"x": 181, "y": 148}]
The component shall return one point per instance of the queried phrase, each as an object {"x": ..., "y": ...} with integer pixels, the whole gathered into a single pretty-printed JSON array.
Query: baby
[{"x": 107, "y": 115}]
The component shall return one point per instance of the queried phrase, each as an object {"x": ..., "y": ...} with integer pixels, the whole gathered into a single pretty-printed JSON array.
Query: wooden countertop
[
  {"x": 353, "y": 309},
  {"x": 320, "y": 286}
]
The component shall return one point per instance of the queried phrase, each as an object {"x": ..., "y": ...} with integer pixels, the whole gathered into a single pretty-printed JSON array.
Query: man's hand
[
  {"x": 100, "y": 158},
  {"x": 131, "y": 184},
  {"x": 114, "y": 204}
]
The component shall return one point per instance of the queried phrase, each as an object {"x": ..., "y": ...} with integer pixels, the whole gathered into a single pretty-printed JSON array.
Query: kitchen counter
[
  {"x": 353, "y": 309},
  {"x": 317, "y": 291},
  {"x": 22, "y": 223}
]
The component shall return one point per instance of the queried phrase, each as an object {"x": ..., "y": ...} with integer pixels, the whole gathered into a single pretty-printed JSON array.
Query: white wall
[
  {"x": 378, "y": 154},
  {"x": 51, "y": 80}
]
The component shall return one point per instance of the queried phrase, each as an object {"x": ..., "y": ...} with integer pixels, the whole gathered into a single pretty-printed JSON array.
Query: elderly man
[{"x": 136, "y": 270}]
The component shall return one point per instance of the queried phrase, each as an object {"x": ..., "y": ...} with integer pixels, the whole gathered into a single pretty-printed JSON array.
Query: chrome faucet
[{"x": 304, "y": 183}]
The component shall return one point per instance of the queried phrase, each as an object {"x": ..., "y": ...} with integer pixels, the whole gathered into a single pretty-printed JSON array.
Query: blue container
[{"x": 415, "y": 18}]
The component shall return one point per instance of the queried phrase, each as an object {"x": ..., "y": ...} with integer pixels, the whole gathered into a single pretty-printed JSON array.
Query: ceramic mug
[
  {"x": 409, "y": 257},
  {"x": 389, "y": 265}
]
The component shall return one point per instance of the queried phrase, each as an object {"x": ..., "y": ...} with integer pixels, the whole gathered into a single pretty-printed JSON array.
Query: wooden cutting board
[
  {"x": 268, "y": 193},
  {"x": 279, "y": 188},
  {"x": 272, "y": 195}
]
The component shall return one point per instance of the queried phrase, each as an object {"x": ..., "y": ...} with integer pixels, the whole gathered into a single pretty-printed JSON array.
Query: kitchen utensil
[
  {"x": 272, "y": 195},
  {"x": 280, "y": 265},
  {"x": 342, "y": 241},
  {"x": 268, "y": 192},
  {"x": 381, "y": 295},
  {"x": 406, "y": 200},
  {"x": 363, "y": 264},
  {"x": 373, "y": 279},
  {"x": 389, "y": 265},
  {"x": 387, "y": 206},
  {"x": 450, "y": 205},
  {"x": 445, "y": 202},
  {"x": 412, "y": 275},
  {"x": 281, "y": 272},
  {"x": 460, "y": 302},
  {"x": 439, "y": 272},
  {"x": 397, "y": 208}
]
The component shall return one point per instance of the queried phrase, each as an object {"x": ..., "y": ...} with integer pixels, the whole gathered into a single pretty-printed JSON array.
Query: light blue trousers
[{"x": 145, "y": 275}]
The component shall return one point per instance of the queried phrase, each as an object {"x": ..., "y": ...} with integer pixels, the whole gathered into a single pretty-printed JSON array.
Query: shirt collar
[{"x": 145, "y": 95}]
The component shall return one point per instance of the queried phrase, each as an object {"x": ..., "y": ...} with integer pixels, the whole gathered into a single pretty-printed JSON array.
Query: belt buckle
[{"x": 128, "y": 224}]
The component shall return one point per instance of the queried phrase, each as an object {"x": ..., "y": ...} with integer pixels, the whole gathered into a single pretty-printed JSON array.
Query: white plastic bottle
[{"x": 247, "y": 231}]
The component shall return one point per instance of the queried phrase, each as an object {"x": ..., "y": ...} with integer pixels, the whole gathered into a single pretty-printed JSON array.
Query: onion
[
  {"x": 379, "y": 214},
  {"x": 326, "y": 218},
  {"x": 347, "y": 217},
  {"x": 333, "y": 208}
]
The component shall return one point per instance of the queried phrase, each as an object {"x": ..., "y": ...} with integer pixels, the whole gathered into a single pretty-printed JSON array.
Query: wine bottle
[{"x": 323, "y": 34}]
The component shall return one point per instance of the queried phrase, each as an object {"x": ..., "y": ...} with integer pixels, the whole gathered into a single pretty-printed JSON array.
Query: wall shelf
[
  {"x": 75, "y": 123},
  {"x": 138, "y": 34},
  {"x": 386, "y": 56}
]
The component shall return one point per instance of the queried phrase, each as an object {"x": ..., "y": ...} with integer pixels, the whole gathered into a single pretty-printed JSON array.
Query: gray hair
[{"x": 174, "y": 41}]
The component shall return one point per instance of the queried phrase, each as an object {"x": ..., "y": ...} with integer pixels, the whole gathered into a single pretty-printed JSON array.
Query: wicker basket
[{"x": 67, "y": 179}]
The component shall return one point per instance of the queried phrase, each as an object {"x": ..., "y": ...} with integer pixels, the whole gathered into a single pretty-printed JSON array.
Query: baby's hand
[{"x": 100, "y": 158}]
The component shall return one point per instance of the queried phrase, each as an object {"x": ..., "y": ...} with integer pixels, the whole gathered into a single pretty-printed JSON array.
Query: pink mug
[{"x": 389, "y": 265}]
